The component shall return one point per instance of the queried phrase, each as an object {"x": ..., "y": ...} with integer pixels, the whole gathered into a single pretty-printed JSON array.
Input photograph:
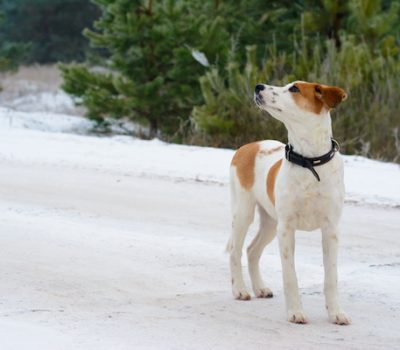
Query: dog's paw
[
  {"x": 263, "y": 292},
  {"x": 340, "y": 318},
  {"x": 297, "y": 317},
  {"x": 241, "y": 294}
]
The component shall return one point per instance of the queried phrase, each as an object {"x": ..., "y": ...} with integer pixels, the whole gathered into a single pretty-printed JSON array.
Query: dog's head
[{"x": 298, "y": 100}]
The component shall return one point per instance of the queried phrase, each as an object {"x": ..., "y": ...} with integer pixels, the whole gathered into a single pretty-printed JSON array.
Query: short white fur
[{"x": 301, "y": 203}]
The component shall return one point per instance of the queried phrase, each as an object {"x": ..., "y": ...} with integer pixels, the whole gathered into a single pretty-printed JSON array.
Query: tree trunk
[
  {"x": 153, "y": 128},
  {"x": 337, "y": 24}
]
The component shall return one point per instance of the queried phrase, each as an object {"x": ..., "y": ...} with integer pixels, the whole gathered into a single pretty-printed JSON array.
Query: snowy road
[{"x": 92, "y": 259}]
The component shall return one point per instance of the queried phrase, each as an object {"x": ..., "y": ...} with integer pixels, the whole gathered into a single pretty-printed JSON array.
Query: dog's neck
[{"x": 311, "y": 141}]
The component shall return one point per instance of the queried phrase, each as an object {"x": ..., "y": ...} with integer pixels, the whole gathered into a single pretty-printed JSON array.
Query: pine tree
[
  {"x": 359, "y": 53},
  {"x": 326, "y": 18},
  {"x": 150, "y": 74},
  {"x": 53, "y": 28},
  {"x": 11, "y": 53},
  {"x": 377, "y": 23}
]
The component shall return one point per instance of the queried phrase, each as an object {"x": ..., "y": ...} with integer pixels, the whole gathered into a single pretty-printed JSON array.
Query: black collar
[{"x": 310, "y": 163}]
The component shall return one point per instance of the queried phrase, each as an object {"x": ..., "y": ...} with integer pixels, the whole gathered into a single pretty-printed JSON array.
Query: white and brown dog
[{"x": 299, "y": 186}]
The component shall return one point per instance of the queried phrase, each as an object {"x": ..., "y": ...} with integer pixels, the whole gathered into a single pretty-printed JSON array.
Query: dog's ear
[{"x": 331, "y": 96}]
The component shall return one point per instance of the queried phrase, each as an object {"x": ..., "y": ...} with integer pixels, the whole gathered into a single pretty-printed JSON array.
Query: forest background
[{"x": 184, "y": 71}]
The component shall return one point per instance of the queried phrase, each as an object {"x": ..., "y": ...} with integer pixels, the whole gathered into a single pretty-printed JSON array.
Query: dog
[{"x": 299, "y": 186}]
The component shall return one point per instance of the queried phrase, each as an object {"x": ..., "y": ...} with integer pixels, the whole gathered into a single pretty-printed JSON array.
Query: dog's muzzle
[{"x": 257, "y": 96}]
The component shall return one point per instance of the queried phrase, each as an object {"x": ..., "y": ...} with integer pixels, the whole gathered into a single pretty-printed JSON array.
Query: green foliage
[
  {"x": 151, "y": 74},
  {"x": 11, "y": 55},
  {"x": 367, "y": 123},
  {"x": 98, "y": 91},
  {"x": 52, "y": 28},
  {"x": 257, "y": 23},
  {"x": 366, "y": 63},
  {"x": 228, "y": 117}
]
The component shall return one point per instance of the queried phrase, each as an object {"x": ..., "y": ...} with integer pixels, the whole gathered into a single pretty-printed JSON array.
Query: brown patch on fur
[
  {"x": 267, "y": 152},
  {"x": 306, "y": 98},
  {"x": 244, "y": 160},
  {"x": 273, "y": 171},
  {"x": 313, "y": 97}
]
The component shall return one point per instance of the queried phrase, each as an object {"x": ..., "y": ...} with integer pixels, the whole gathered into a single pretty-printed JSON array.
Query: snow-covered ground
[
  {"x": 118, "y": 243},
  {"x": 367, "y": 181}
]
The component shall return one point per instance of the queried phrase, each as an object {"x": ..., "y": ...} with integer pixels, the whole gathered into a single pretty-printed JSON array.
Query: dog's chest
[
  {"x": 312, "y": 210},
  {"x": 308, "y": 204}
]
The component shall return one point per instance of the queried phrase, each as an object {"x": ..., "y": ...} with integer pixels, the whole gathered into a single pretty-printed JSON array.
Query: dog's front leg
[
  {"x": 286, "y": 246},
  {"x": 330, "y": 237}
]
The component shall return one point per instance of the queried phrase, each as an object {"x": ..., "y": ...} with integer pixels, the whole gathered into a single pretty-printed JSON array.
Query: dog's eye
[{"x": 294, "y": 88}]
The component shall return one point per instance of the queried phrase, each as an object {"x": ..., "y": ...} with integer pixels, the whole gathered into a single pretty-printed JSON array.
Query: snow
[
  {"x": 11, "y": 120},
  {"x": 118, "y": 243},
  {"x": 367, "y": 181},
  {"x": 43, "y": 101},
  {"x": 373, "y": 182},
  {"x": 120, "y": 262},
  {"x": 25, "y": 335}
]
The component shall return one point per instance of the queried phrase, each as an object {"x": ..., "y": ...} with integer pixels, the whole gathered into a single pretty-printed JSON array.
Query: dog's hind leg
[
  {"x": 265, "y": 235},
  {"x": 243, "y": 206}
]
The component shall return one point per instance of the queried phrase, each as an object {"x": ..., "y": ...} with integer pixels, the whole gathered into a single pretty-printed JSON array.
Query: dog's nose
[{"x": 258, "y": 88}]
